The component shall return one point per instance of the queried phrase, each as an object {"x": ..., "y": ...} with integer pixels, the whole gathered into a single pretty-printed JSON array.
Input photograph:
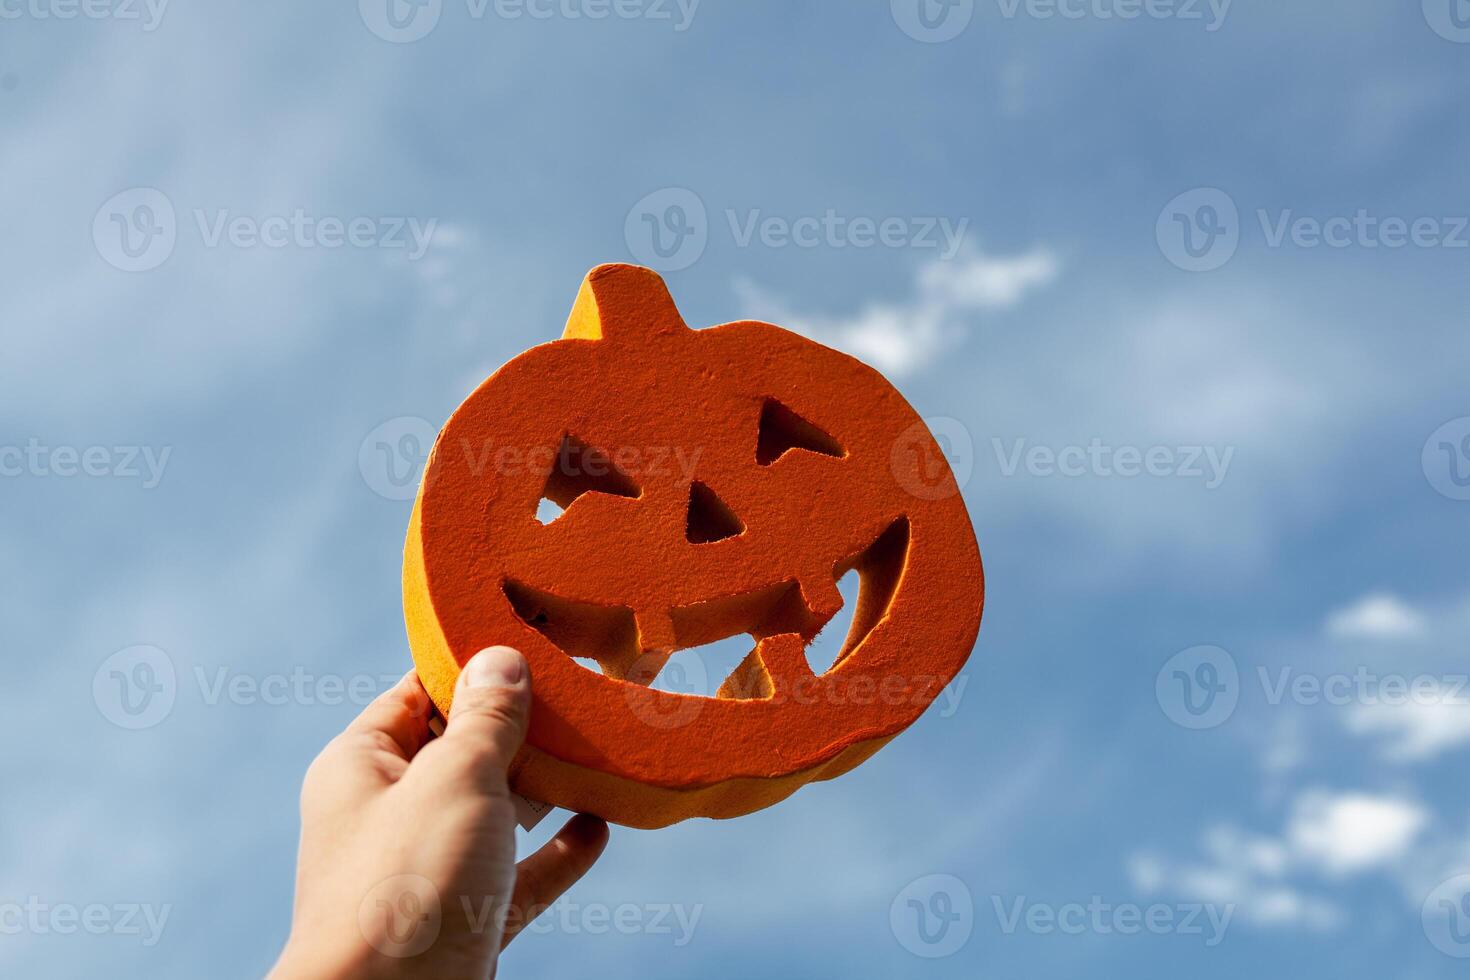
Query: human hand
[{"x": 407, "y": 862}]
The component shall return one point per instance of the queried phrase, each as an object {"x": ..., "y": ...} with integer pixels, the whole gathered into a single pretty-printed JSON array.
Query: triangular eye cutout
[
  {"x": 579, "y": 469},
  {"x": 782, "y": 430},
  {"x": 710, "y": 518}
]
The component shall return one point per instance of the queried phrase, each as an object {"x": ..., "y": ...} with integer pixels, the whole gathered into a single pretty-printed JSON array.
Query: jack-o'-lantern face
[{"x": 714, "y": 483}]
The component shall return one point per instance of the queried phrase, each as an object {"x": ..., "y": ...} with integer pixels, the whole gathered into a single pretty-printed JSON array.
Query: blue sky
[{"x": 1295, "y": 543}]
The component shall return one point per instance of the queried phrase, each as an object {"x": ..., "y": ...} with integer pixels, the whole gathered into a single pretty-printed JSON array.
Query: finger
[
  {"x": 558, "y": 865},
  {"x": 402, "y": 713},
  {"x": 492, "y": 704}
]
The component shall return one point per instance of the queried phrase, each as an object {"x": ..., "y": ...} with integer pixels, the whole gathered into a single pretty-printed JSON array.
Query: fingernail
[{"x": 494, "y": 667}]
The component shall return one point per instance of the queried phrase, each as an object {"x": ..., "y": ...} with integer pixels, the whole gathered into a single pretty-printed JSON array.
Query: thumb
[{"x": 492, "y": 703}]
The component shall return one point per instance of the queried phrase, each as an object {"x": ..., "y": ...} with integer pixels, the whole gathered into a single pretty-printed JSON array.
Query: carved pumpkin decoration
[{"x": 715, "y": 482}]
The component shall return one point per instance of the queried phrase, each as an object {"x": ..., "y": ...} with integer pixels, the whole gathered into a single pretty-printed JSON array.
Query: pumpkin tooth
[
  {"x": 776, "y": 665},
  {"x": 655, "y": 631},
  {"x": 645, "y": 670},
  {"x": 784, "y": 657},
  {"x": 636, "y": 668},
  {"x": 819, "y": 592}
]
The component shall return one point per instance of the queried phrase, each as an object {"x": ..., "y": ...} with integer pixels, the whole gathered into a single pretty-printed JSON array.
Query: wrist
[{"x": 304, "y": 961}]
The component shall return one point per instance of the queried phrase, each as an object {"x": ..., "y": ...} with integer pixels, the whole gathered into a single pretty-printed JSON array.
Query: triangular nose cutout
[
  {"x": 782, "y": 430},
  {"x": 710, "y": 518}
]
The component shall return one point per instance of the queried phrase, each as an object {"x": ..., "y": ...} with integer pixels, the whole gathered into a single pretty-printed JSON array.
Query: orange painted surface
[{"x": 715, "y": 482}]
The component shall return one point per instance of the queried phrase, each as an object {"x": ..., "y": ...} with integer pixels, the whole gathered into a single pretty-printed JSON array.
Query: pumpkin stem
[{"x": 623, "y": 304}]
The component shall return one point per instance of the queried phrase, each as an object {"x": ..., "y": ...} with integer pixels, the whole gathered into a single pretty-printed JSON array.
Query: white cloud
[
  {"x": 900, "y": 338},
  {"x": 1233, "y": 848},
  {"x": 1353, "y": 832},
  {"x": 986, "y": 283},
  {"x": 1420, "y": 727},
  {"x": 1376, "y": 617},
  {"x": 1244, "y": 873},
  {"x": 1268, "y": 878},
  {"x": 1238, "y": 368}
]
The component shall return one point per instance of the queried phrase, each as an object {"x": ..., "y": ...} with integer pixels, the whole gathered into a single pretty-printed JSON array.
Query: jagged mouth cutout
[{"x": 605, "y": 639}]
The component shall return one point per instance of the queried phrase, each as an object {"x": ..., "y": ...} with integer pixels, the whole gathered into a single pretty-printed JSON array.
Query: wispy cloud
[
  {"x": 1278, "y": 880},
  {"x": 1349, "y": 833},
  {"x": 902, "y": 338},
  {"x": 1376, "y": 617},
  {"x": 1419, "y": 727}
]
